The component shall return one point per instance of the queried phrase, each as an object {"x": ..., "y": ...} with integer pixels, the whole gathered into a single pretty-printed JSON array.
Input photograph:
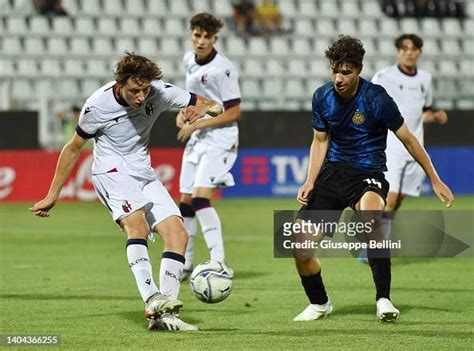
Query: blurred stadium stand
[{"x": 49, "y": 61}]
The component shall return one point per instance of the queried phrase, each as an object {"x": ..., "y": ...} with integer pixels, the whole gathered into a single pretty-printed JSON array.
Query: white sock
[
  {"x": 212, "y": 232},
  {"x": 139, "y": 262},
  {"x": 171, "y": 270},
  {"x": 190, "y": 223}
]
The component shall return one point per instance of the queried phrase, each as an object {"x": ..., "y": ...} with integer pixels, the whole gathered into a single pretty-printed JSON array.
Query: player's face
[
  {"x": 135, "y": 91},
  {"x": 203, "y": 42},
  {"x": 408, "y": 54},
  {"x": 345, "y": 79}
]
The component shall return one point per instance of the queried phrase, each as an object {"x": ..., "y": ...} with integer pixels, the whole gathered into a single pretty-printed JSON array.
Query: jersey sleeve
[
  {"x": 317, "y": 121},
  {"x": 89, "y": 122},
  {"x": 388, "y": 110},
  {"x": 429, "y": 94},
  {"x": 176, "y": 97},
  {"x": 229, "y": 87}
]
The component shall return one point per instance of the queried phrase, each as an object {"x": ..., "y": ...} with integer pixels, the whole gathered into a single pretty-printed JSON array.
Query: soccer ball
[{"x": 211, "y": 281}]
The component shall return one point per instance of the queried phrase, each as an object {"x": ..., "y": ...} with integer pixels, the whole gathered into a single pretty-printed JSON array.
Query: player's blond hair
[{"x": 136, "y": 67}]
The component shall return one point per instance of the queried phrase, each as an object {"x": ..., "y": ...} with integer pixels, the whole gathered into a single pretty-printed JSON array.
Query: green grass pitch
[{"x": 68, "y": 275}]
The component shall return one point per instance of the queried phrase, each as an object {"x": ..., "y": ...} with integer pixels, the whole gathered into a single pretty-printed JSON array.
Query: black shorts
[{"x": 339, "y": 186}]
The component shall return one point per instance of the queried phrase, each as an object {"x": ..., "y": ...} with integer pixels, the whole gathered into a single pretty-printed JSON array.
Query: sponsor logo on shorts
[{"x": 126, "y": 207}]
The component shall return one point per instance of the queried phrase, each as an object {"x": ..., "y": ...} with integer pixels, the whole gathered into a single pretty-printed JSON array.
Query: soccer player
[
  {"x": 351, "y": 117},
  {"x": 119, "y": 117},
  {"x": 410, "y": 88},
  {"x": 211, "y": 150}
]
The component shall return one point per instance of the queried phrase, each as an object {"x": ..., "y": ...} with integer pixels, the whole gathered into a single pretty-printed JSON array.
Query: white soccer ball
[{"x": 211, "y": 281}]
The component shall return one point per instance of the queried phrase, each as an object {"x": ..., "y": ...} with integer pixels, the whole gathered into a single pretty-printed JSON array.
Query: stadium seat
[
  {"x": 151, "y": 26},
  {"x": 447, "y": 68},
  {"x": 173, "y": 26},
  {"x": 350, "y": 9},
  {"x": 289, "y": 9},
  {"x": 446, "y": 88},
  {"x": 380, "y": 64},
  {"x": 170, "y": 47},
  {"x": 250, "y": 89},
  {"x": 221, "y": 8},
  {"x": 201, "y": 6},
  {"x": 73, "y": 68},
  {"x": 51, "y": 68},
  {"x": 57, "y": 46},
  {"x": 80, "y": 47},
  {"x": 23, "y": 89},
  {"x": 156, "y": 8},
  {"x": 307, "y": 9},
  {"x": 247, "y": 105},
  {"x": 93, "y": 7},
  {"x": 253, "y": 68},
  {"x": 85, "y": 26},
  {"x": 409, "y": 25},
  {"x": 71, "y": 6},
  {"x": 428, "y": 65},
  {"x": 178, "y": 8},
  {"x": 279, "y": 46},
  {"x": 124, "y": 44},
  {"x": 450, "y": 47},
  {"x": 274, "y": 68},
  {"x": 388, "y": 28},
  {"x": 102, "y": 46},
  {"x": 320, "y": 45},
  {"x": 258, "y": 46},
  {"x": 34, "y": 46},
  {"x": 326, "y": 27},
  {"x": 39, "y": 25},
  {"x": 27, "y": 68},
  {"x": 16, "y": 25},
  {"x": 12, "y": 45},
  {"x": 304, "y": 28},
  {"x": 295, "y": 89},
  {"x": 134, "y": 7},
  {"x": 272, "y": 88},
  {"x": 329, "y": 9},
  {"x": 297, "y": 68},
  {"x": 347, "y": 26},
  {"x": 23, "y": 7},
  {"x": 369, "y": 46},
  {"x": 319, "y": 68},
  {"x": 67, "y": 88},
  {"x": 235, "y": 47},
  {"x": 465, "y": 104},
  {"x": 430, "y": 27},
  {"x": 430, "y": 47},
  {"x": 469, "y": 26},
  {"x": 167, "y": 67},
  {"x": 302, "y": 47},
  {"x": 371, "y": 8},
  {"x": 147, "y": 46},
  {"x": 452, "y": 27},
  {"x": 7, "y": 69},
  {"x": 97, "y": 68},
  {"x": 465, "y": 68},
  {"x": 107, "y": 26},
  {"x": 368, "y": 27},
  {"x": 88, "y": 86},
  {"x": 62, "y": 25},
  {"x": 129, "y": 26},
  {"x": 469, "y": 47}
]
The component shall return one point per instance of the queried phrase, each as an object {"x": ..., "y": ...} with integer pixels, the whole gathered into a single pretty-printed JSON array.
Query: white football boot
[
  {"x": 314, "y": 311},
  {"x": 158, "y": 304},
  {"x": 386, "y": 312},
  {"x": 170, "y": 322}
]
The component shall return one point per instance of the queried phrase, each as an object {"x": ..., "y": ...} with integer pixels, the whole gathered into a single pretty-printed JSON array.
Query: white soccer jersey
[
  {"x": 216, "y": 79},
  {"x": 412, "y": 94},
  {"x": 121, "y": 133}
]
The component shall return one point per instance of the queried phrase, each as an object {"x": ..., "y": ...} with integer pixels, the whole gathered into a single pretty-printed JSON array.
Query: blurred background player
[
  {"x": 119, "y": 116},
  {"x": 351, "y": 118},
  {"x": 211, "y": 150},
  {"x": 411, "y": 89}
]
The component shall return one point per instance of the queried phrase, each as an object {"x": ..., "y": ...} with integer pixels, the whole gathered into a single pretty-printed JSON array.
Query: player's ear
[{"x": 215, "y": 39}]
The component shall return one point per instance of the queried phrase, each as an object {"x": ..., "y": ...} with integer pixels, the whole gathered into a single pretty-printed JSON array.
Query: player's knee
[
  {"x": 137, "y": 230},
  {"x": 198, "y": 203},
  {"x": 303, "y": 258},
  {"x": 175, "y": 237}
]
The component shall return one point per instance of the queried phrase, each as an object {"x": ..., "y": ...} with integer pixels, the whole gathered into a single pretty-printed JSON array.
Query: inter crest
[{"x": 358, "y": 118}]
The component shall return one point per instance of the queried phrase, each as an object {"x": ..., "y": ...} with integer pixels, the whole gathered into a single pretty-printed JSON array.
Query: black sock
[
  {"x": 379, "y": 261},
  {"x": 314, "y": 288}
]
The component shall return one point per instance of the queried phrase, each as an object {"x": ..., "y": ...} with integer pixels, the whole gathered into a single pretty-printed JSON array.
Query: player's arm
[
  {"x": 418, "y": 152},
  {"x": 317, "y": 154},
  {"x": 66, "y": 162},
  {"x": 201, "y": 108},
  {"x": 230, "y": 115},
  {"x": 431, "y": 116}
]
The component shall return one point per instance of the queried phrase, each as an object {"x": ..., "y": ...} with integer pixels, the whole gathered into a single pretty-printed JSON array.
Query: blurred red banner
[{"x": 26, "y": 175}]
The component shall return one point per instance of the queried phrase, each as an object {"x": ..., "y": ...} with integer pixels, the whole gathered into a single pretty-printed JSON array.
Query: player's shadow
[
  {"x": 249, "y": 274},
  {"x": 48, "y": 297},
  {"x": 369, "y": 309}
]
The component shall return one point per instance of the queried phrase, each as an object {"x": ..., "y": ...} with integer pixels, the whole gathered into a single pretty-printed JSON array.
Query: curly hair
[
  {"x": 206, "y": 21},
  {"x": 415, "y": 39},
  {"x": 345, "y": 50},
  {"x": 136, "y": 67}
]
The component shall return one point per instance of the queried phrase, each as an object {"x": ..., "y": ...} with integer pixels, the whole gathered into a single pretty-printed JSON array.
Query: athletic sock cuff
[
  {"x": 136, "y": 242},
  {"x": 186, "y": 210},
  {"x": 173, "y": 256},
  {"x": 198, "y": 203}
]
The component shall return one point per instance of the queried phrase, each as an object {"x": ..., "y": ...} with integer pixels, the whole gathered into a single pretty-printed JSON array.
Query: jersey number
[{"x": 374, "y": 182}]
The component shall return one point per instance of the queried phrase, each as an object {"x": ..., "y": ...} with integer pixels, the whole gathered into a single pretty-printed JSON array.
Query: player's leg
[
  {"x": 213, "y": 171},
  {"x": 186, "y": 185},
  {"x": 371, "y": 205}
]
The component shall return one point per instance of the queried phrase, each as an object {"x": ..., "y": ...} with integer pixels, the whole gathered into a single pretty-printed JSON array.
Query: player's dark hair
[
  {"x": 206, "y": 21},
  {"x": 136, "y": 67},
  {"x": 345, "y": 50},
  {"x": 415, "y": 39}
]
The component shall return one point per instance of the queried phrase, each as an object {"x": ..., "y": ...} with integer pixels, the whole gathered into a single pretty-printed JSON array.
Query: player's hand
[
  {"x": 186, "y": 131},
  {"x": 303, "y": 193},
  {"x": 192, "y": 113},
  {"x": 180, "y": 120},
  {"x": 443, "y": 193},
  {"x": 41, "y": 208},
  {"x": 441, "y": 117}
]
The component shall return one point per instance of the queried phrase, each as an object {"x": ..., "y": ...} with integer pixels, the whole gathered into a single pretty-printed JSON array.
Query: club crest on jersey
[
  {"x": 358, "y": 118},
  {"x": 204, "y": 79},
  {"x": 126, "y": 207},
  {"x": 149, "y": 108}
]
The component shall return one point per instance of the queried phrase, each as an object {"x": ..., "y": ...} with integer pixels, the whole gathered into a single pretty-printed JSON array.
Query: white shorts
[
  {"x": 206, "y": 166},
  {"x": 404, "y": 176},
  {"x": 124, "y": 194}
]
